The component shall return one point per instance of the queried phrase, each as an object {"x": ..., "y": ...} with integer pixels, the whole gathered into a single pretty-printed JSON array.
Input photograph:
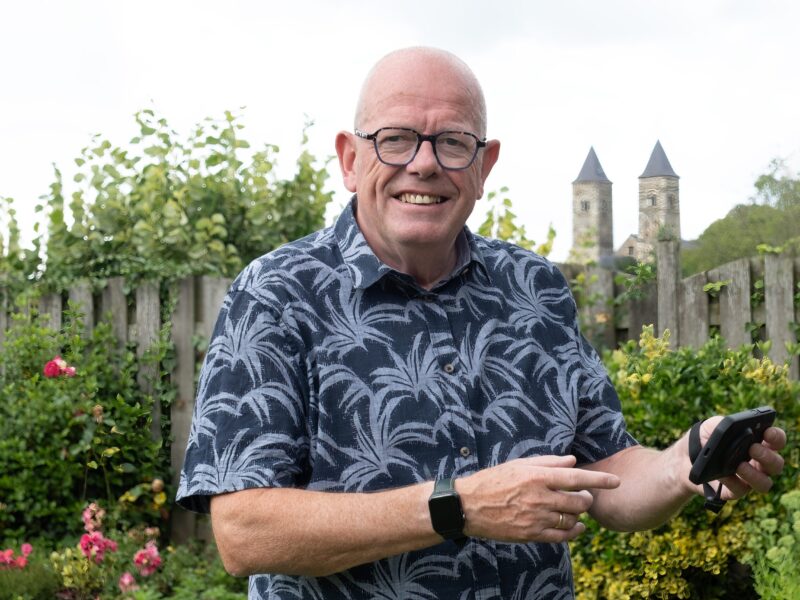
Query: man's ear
[
  {"x": 346, "y": 151},
  {"x": 490, "y": 155}
]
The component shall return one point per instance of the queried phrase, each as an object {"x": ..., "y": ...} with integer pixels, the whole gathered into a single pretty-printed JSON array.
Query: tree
[{"x": 775, "y": 221}]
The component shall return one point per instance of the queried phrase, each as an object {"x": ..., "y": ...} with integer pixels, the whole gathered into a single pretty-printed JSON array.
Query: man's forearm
[
  {"x": 300, "y": 532},
  {"x": 654, "y": 487}
]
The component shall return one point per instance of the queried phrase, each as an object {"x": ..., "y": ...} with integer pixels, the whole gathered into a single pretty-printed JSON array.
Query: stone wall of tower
[
  {"x": 659, "y": 207},
  {"x": 592, "y": 221}
]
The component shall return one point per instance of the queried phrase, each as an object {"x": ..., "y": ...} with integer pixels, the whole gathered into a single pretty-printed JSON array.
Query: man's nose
[{"x": 425, "y": 163}]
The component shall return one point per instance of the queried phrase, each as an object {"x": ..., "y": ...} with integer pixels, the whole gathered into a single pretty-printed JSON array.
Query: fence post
[
  {"x": 779, "y": 303},
  {"x": 148, "y": 325},
  {"x": 184, "y": 522},
  {"x": 668, "y": 270}
]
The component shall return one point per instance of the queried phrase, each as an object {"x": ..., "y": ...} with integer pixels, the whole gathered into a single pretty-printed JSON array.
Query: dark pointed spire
[
  {"x": 591, "y": 171},
  {"x": 658, "y": 165}
]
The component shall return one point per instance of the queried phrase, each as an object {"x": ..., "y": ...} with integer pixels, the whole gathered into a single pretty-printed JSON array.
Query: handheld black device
[{"x": 729, "y": 444}]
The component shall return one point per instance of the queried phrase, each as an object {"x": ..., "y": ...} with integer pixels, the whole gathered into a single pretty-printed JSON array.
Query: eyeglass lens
[{"x": 453, "y": 149}]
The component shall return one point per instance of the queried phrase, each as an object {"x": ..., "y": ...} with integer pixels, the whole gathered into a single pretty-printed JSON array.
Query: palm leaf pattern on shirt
[{"x": 330, "y": 371}]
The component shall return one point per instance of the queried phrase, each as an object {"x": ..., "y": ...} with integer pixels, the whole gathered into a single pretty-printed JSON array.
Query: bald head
[{"x": 408, "y": 64}]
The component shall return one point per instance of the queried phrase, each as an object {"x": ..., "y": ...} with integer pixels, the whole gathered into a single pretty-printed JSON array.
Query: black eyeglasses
[{"x": 397, "y": 146}]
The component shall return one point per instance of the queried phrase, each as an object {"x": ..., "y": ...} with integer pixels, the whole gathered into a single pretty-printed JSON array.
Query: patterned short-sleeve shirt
[{"x": 328, "y": 370}]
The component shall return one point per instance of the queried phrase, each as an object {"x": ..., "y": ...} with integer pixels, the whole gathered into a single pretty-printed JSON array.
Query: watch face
[{"x": 446, "y": 514}]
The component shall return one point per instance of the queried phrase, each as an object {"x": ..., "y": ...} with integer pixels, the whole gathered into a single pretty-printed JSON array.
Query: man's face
[{"x": 421, "y": 206}]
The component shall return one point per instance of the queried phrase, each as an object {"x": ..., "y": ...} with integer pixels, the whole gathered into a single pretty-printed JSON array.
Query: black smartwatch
[{"x": 447, "y": 517}]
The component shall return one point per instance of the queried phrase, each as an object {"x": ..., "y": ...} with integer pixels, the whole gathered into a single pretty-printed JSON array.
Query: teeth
[{"x": 420, "y": 199}]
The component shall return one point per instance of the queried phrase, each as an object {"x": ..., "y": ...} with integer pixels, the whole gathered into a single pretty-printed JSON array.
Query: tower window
[
  {"x": 630, "y": 250},
  {"x": 672, "y": 201},
  {"x": 585, "y": 205},
  {"x": 652, "y": 198}
]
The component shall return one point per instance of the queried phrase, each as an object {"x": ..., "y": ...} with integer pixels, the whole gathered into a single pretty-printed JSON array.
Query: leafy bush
[
  {"x": 165, "y": 207},
  {"x": 64, "y": 438},
  {"x": 774, "y": 539},
  {"x": 697, "y": 554}
]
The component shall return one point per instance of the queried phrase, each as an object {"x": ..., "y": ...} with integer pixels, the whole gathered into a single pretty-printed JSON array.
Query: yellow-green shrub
[{"x": 698, "y": 554}]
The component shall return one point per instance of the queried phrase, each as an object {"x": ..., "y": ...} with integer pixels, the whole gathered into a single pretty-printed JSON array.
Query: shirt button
[
  {"x": 449, "y": 368},
  {"x": 465, "y": 452}
]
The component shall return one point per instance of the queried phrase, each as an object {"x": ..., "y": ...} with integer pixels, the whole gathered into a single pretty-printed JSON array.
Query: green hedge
[{"x": 698, "y": 554}]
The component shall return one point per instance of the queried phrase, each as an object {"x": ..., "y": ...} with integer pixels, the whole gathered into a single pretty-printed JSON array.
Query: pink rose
[
  {"x": 147, "y": 560},
  {"x": 94, "y": 546},
  {"x": 26, "y": 550},
  {"x": 69, "y": 371},
  {"x": 51, "y": 369},
  {"x": 127, "y": 583}
]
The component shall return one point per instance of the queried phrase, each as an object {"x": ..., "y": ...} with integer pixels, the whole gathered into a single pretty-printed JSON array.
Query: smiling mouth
[{"x": 420, "y": 199}]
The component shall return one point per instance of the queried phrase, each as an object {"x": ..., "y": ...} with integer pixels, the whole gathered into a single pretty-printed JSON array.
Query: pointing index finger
[{"x": 580, "y": 479}]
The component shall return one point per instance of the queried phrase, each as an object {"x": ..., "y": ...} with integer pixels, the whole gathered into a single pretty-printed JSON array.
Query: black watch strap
[
  {"x": 447, "y": 516},
  {"x": 714, "y": 501}
]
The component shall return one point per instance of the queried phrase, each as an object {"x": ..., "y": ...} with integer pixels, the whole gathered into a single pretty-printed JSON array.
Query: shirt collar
[{"x": 365, "y": 268}]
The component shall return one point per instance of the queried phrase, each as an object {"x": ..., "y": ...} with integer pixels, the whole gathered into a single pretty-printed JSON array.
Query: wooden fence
[{"x": 757, "y": 296}]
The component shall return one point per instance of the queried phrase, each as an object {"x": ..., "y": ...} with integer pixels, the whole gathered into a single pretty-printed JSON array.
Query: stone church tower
[
  {"x": 592, "y": 225},
  {"x": 659, "y": 206},
  {"x": 592, "y": 222}
]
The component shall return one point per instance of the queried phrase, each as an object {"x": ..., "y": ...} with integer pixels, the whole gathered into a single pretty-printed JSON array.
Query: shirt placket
[{"x": 463, "y": 436}]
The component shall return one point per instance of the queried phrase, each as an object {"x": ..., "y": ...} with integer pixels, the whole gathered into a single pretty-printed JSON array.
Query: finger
[
  {"x": 759, "y": 481},
  {"x": 769, "y": 461},
  {"x": 551, "y": 461},
  {"x": 554, "y": 536},
  {"x": 775, "y": 438},
  {"x": 575, "y": 503},
  {"x": 579, "y": 479},
  {"x": 736, "y": 488}
]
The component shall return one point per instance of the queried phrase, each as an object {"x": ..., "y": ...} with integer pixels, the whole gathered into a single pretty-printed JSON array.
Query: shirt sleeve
[{"x": 249, "y": 428}]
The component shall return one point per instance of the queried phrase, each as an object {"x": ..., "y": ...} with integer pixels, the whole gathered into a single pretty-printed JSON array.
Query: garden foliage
[
  {"x": 697, "y": 554},
  {"x": 165, "y": 208},
  {"x": 73, "y": 434}
]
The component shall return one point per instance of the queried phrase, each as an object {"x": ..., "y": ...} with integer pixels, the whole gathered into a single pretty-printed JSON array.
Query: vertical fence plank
[
  {"x": 183, "y": 521},
  {"x": 600, "y": 312},
  {"x": 643, "y": 311},
  {"x": 148, "y": 324},
  {"x": 734, "y": 302},
  {"x": 81, "y": 294},
  {"x": 115, "y": 304},
  {"x": 669, "y": 276},
  {"x": 212, "y": 293},
  {"x": 50, "y": 305},
  {"x": 694, "y": 317},
  {"x": 779, "y": 303}
]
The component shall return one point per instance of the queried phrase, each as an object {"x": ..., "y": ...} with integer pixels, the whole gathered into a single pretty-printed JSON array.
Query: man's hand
[
  {"x": 755, "y": 474},
  {"x": 523, "y": 500}
]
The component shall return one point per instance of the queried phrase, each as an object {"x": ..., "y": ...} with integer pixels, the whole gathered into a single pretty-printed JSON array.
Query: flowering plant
[
  {"x": 9, "y": 561},
  {"x": 57, "y": 367}
]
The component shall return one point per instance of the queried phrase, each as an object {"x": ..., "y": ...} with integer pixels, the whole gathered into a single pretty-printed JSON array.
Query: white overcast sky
[{"x": 716, "y": 81}]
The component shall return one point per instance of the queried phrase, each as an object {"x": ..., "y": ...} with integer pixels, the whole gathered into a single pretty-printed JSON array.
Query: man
[{"x": 396, "y": 408}]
